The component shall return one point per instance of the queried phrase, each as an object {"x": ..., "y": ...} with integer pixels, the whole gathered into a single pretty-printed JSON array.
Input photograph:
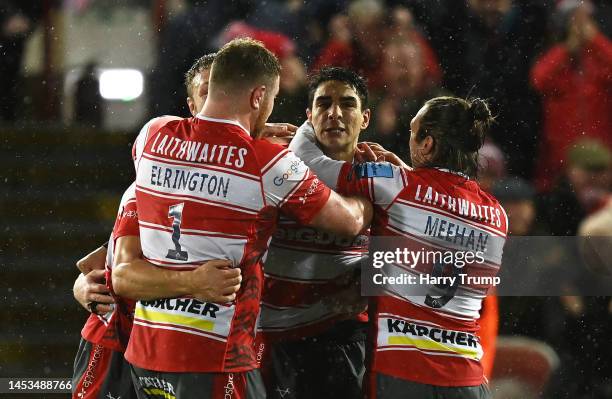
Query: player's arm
[
  {"x": 90, "y": 288},
  {"x": 93, "y": 260},
  {"x": 291, "y": 186},
  {"x": 343, "y": 215},
  {"x": 136, "y": 278}
]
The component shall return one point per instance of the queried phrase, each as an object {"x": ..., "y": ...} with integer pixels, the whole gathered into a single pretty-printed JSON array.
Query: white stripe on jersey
[
  {"x": 156, "y": 244},
  {"x": 193, "y": 231},
  {"x": 283, "y": 178},
  {"x": 300, "y": 266},
  {"x": 184, "y": 330},
  {"x": 419, "y": 223},
  {"x": 200, "y": 165},
  {"x": 200, "y": 183}
]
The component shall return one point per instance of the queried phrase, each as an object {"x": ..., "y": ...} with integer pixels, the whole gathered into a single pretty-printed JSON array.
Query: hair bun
[
  {"x": 480, "y": 110},
  {"x": 481, "y": 120}
]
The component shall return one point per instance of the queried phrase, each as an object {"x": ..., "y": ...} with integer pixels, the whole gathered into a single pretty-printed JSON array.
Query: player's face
[
  {"x": 337, "y": 117},
  {"x": 267, "y": 106},
  {"x": 200, "y": 92}
]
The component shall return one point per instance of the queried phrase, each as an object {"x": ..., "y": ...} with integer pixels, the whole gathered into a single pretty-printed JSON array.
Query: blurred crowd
[{"x": 545, "y": 66}]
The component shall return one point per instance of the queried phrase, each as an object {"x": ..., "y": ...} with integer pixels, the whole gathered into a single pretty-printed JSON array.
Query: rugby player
[
  {"x": 426, "y": 346},
  {"x": 206, "y": 189},
  {"x": 100, "y": 368},
  {"x": 313, "y": 320}
]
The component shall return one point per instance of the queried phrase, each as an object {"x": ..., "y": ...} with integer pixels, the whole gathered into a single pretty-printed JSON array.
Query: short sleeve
[
  {"x": 292, "y": 187},
  {"x": 127, "y": 221}
]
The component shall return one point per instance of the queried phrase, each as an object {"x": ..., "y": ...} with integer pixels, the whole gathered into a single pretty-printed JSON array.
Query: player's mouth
[{"x": 335, "y": 130}]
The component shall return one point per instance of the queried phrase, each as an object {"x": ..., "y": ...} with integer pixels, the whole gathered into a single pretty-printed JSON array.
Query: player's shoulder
[
  {"x": 268, "y": 154},
  {"x": 128, "y": 196}
]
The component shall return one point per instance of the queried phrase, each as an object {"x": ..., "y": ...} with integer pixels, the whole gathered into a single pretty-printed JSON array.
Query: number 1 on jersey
[{"x": 176, "y": 212}]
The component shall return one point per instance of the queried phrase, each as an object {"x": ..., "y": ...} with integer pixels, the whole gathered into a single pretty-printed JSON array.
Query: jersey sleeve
[
  {"x": 380, "y": 182},
  {"x": 127, "y": 216},
  {"x": 127, "y": 222},
  {"x": 290, "y": 185},
  {"x": 305, "y": 147}
]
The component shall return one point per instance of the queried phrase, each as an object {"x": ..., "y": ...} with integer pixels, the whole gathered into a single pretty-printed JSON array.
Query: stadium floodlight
[{"x": 121, "y": 84}]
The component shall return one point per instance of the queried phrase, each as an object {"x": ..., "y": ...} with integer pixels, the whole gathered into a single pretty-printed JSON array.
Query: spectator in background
[
  {"x": 408, "y": 83},
  {"x": 357, "y": 41},
  {"x": 574, "y": 78},
  {"x": 521, "y": 315},
  {"x": 581, "y": 190},
  {"x": 88, "y": 100},
  {"x": 491, "y": 165},
  {"x": 197, "y": 23},
  {"x": 292, "y": 96},
  {"x": 486, "y": 48},
  {"x": 304, "y": 22},
  {"x": 17, "y": 22}
]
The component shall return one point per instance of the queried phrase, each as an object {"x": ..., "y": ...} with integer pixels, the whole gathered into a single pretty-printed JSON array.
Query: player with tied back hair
[
  {"x": 205, "y": 189},
  {"x": 425, "y": 346}
]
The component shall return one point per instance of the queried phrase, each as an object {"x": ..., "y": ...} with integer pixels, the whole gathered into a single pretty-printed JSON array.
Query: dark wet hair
[
  {"x": 204, "y": 62},
  {"x": 344, "y": 75},
  {"x": 458, "y": 128}
]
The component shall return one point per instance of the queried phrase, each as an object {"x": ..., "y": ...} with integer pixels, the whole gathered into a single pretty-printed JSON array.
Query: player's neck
[
  {"x": 340, "y": 154},
  {"x": 222, "y": 110}
]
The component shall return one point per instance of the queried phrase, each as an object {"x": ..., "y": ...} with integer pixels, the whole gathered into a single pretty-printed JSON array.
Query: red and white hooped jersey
[
  {"x": 431, "y": 210},
  {"x": 206, "y": 190},
  {"x": 112, "y": 330},
  {"x": 304, "y": 269}
]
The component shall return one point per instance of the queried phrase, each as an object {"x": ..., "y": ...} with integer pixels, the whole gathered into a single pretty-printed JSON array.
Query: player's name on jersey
[
  {"x": 184, "y": 305},
  {"x": 452, "y": 232},
  {"x": 197, "y": 151},
  {"x": 461, "y": 206},
  {"x": 186, "y": 179},
  {"x": 310, "y": 235}
]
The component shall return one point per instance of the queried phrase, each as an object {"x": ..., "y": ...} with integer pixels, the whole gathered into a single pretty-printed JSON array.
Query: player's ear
[
  {"x": 192, "y": 107},
  {"x": 427, "y": 145},
  {"x": 309, "y": 115},
  {"x": 366, "y": 119},
  {"x": 257, "y": 97}
]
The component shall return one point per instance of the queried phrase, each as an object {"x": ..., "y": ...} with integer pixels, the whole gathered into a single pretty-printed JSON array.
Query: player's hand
[
  {"x": 91, "y": 292},
  {"x": 215, "y": 281},
  {"x": 278, "y": 133},
  {"x": 374, "y": 152},
  {"x": 347, "y": 300},
  {"x": 92, "y": 261}
]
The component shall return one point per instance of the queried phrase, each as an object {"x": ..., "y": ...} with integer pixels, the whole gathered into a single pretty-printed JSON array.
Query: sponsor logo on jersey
[
  {"x": 293, "y": 169},
  {"x": 229, "y": 387},
  {"x": 157, "y": 387},
  {"x": 397, "y": 332}
]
